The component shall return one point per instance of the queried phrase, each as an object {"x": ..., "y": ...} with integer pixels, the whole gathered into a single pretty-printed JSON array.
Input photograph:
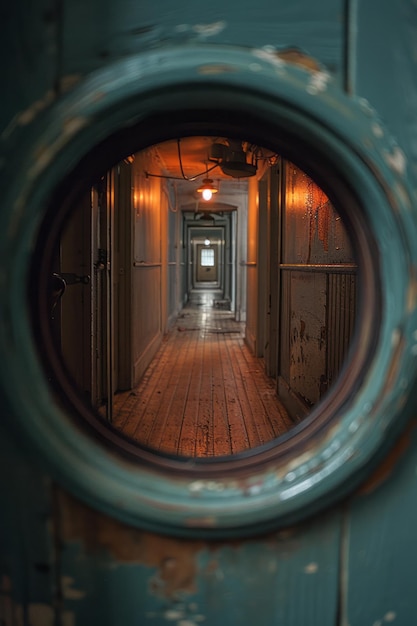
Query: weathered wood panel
[
  {"x": 318, "y": 277},
  {"x": 380, "y": 550},
  {"x": 290, "y": 577},
  {"x": 148, "y": 274},
  {"x": 307, "y": 334},
  {"x": 125, "y": 28},
  {"x": 204, "y": 394}
]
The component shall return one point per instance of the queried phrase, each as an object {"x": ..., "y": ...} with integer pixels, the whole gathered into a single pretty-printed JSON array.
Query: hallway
[{"x": 204, "y": 394}]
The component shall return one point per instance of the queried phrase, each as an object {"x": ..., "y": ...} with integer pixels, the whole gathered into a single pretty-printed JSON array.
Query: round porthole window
[{"x": 106, "y": 234}]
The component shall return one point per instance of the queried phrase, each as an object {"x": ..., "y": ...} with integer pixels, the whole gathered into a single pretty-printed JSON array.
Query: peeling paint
[
  {"x": 26, "y": 117},
  {"x": 385, "y": 469},
  {"x": 299, "y": 58},
  {"x": 395, "y": 365},
  {"x": 318, "y": 82},
  {"x": 366, "y": 107},
  {"x": 367, "y": 408},
  {"x": 254, "y": 490},
  {"x": 390, "y": 616},
  {"x": 308, "y": 462},
  {"x": 396, "y": 160},
  {"x": 377, "y": 130},
  {"x": 353, "y": 426},
  {"x": 174, "y": 561},
  {"x": 310, "y": 481},
  {"x": 206, "y": 485},
  {"x": 400, "y": 190},
  {"x": 68, "y": 82},
  {"x": 46, "y": 154},
  {"x": 290, "y": 477},
  {"x": 209, "y": 30},
  {"x": 173, "y": 614},
  {"x": 218, "y": 68},
  {"x": 311, "y": 568},
  {"x": 180, "y": 613},
  {"x": 289, "y": 56},
  {"x": 270, "y": 54},
  {"x": 412, "y": 292}
]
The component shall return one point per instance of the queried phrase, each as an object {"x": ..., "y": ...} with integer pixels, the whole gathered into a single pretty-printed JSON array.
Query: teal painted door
[{"x": 83, "y": 537}]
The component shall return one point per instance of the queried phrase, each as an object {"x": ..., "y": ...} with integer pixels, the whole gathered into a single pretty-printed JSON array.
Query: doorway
[{"x": 206, "y": 264}]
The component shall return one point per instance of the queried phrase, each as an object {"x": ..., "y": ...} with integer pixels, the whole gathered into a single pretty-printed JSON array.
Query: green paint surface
[{"x": 352, "y": 565}]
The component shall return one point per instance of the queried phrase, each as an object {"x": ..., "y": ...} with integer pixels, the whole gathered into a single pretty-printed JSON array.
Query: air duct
[{"x": 232, "y": 159}]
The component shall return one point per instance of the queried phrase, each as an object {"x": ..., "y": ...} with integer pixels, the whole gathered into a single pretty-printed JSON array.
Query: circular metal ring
[{"x": 266, "y": 490}]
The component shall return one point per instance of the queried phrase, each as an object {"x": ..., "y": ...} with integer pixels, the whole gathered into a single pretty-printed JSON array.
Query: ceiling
[
  {"x": 189, "y": 160},
  {"x": 194, "y": 153}
]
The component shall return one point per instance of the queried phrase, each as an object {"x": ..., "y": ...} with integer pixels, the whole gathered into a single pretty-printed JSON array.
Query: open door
[
  {"x": 102, "y": 323},
  {"x": 72, "y": 314}
]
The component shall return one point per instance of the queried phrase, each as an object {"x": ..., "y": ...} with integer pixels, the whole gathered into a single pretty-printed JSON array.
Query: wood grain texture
[{"x": 204, "y": 394}]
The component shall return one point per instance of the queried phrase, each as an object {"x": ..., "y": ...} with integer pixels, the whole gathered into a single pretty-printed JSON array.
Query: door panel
[
  {"x": 318, "y": 291},
  {"x": 89, "y": 75},
  {"x": 207, "y": 268},
  {"x": 75, "y": 304}
]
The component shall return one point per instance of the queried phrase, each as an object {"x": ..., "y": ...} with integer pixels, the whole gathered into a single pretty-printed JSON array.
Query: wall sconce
[{"x": 207, "y": 189}]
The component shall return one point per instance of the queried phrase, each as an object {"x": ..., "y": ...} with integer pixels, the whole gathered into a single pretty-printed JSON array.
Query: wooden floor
[{"x": 204, "y": 394}]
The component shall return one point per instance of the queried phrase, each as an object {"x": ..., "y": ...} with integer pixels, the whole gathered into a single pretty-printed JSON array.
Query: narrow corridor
[{"x": 204, "y": 394}]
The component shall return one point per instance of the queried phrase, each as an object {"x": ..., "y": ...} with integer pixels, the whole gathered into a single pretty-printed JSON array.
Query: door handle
[{"x": 73, "y": 279}]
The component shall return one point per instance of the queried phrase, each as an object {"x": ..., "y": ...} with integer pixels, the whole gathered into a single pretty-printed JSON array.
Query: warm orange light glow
[
  {"x": 207, "y": 194},
  {"x": 207, "y": 189}
]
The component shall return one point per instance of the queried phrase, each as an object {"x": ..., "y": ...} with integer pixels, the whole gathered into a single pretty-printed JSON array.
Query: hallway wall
[
  {"x": 252, "y": 269},
  {"x": 318, "y": 278},
  {"x": 156, "y": 296},
  {"x": 149, "y": 278}
]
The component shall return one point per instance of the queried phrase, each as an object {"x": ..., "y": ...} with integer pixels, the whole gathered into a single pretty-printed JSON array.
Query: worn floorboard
[{"x": 204, "y": 394}]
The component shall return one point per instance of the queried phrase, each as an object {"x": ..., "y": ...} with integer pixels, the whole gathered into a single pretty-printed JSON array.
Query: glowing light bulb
[{"x": 207, "y": 194}]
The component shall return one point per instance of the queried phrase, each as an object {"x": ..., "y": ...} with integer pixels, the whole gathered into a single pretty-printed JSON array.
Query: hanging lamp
[{"x": 207, "y": 189}]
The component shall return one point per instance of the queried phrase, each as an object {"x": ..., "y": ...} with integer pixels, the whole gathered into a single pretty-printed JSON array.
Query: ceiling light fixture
[{"x": 207, "y": 189}]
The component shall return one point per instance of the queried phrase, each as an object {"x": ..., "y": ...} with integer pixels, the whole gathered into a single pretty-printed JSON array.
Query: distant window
[{"x": 207, "y": 257}]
